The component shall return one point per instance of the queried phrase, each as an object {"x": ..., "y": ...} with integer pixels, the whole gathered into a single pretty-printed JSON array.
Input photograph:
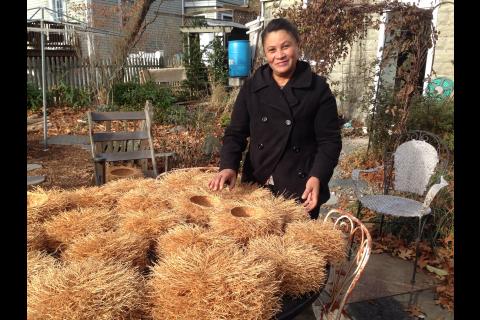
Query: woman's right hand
[{"x": 224, "y": 176}]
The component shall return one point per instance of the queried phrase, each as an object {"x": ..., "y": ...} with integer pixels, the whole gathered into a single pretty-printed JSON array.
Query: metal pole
[{"x": 44, "y": 98}]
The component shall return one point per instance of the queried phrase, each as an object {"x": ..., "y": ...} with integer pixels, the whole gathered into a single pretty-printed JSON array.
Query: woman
[{"x": 290, "y": 116}]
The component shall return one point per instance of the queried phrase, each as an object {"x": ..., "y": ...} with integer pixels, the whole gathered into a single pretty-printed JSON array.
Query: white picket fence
[{"x": 81, "y": 74}]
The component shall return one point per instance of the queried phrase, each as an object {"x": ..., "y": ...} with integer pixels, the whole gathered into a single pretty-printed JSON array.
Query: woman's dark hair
[{"x": 280, "y": 24}]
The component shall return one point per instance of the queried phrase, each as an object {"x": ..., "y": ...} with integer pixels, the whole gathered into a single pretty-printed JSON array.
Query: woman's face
[{"x": 281, "y": 51}]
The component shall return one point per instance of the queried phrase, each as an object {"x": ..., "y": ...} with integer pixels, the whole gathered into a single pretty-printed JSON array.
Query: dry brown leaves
[
  {"x": 356, "y": 160},
  {"x": 415, "y": 311}
]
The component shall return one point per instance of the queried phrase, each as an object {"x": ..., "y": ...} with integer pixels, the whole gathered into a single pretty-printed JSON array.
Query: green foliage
[
  {"x": 132, "y": 96},
  {"x": 217, "y": 61},
  {"x": 433, "y": 115},
  {"x": 70, "y": 96},
  {"x": 34, "y": 97},
  {"x": 196, "y": 70},
  {"x": 177, "y": 115},
  {"x": 225, "y": 120},
  {"x": 382, "y": 121}
]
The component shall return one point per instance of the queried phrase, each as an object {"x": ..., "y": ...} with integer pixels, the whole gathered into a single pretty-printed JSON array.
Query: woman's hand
[
  {"x": 310, "y": 195},
  {"x": 224, "y": 176}
]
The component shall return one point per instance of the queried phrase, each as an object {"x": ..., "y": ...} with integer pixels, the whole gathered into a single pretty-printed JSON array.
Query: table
[{"x": 291, "y": 307}]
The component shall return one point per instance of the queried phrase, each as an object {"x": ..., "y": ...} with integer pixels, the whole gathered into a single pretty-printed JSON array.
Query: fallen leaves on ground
[{"x": 415, "y": 311}]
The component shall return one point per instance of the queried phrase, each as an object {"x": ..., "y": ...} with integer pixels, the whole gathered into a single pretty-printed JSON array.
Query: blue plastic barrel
[{"x": 238, "y": 58}]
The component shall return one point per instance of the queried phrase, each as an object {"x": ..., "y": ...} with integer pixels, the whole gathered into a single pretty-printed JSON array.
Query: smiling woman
[
  {"x": 281, "y": 51},
  {"x": 290, "y": 116}
]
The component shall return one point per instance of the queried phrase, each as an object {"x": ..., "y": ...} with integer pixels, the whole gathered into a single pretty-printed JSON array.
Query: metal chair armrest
[
  {"x": 356, "y": 179},
  {"x": 356, "y": 172},
  {"x": 432, "y": 192}
]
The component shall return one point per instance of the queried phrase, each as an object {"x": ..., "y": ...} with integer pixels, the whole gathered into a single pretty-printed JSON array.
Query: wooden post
[
  {"x": 99, "y": 170},
  {"x": 149, "y": 116}
]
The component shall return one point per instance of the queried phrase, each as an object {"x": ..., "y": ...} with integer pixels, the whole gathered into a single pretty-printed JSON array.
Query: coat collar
[{"x": 302, "y": 77}]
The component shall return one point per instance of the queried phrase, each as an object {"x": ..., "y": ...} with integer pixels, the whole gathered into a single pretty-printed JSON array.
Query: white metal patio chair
[
  {"x": 345, "y": 275},
  {"x": 412, "y": 166}
]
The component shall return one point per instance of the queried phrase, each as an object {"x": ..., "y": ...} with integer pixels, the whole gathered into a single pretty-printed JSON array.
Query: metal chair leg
[
  {"x": 359, "y": 208},
  {"x": 417, "y": 245},
  {"x": 381, "y": 225}
]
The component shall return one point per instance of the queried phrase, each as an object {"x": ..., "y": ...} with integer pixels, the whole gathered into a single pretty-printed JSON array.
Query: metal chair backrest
[
  {"x": 414, "y": 165},
  {"x": 420, "y": 151},
  {"x": 345, "y": 275}
]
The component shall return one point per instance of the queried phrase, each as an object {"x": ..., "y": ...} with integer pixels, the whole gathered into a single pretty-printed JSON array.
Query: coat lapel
[
  {"x": 271, "y": 95},
  {"x": 273, "y": 98}
]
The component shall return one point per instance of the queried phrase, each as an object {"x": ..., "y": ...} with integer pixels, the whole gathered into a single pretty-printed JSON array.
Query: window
[
  {"x": 226, "y": 17},
  {"x": 58, "y": 7}
]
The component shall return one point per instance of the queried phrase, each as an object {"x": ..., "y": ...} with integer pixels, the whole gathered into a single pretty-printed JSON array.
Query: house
[
  {"x": 224, "y": 19},
  {"x": 104, "y": 19}
]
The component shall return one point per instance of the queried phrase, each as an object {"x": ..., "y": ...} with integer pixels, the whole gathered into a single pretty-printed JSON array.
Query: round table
[{"x": 291, "y": 307}]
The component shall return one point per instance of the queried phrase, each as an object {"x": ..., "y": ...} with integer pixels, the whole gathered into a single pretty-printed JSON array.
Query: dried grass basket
[
  {"x": 216, "y": 283},
  {"x": 122, "y": 172},
  {"x": 87, "y": 289},
  {"x": 322, "y": 235},
  {"x": 300, "y": 267}
]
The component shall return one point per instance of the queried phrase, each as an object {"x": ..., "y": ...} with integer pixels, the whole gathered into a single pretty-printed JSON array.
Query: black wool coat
[{"x": 294, "y": 132}]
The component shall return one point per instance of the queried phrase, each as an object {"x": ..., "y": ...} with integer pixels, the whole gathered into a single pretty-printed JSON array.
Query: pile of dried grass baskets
[{"x": 171, "y": 249}]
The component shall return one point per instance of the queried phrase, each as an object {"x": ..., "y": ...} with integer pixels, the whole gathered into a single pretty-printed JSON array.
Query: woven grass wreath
[
  {"x": 111, "y": 245},
  {"x": 63, "y": 229},
  {"x": 196, "y": 204},
  {"x": 198, "y": 177},
  {"x": 211, "y": 284},
  {"x": 86, "y": 289},
  {"x": 322, "y": 235},
  {"x": 299, "y": 266},
  {"x": 244, "y": 220},
  {"x": 38, "y": 262},
  {"x": 188, "y": 236},
  {"x": 149, "y": 224},
  {"x": 122, "y": 172},
  {"x": 151, "y": 196}
]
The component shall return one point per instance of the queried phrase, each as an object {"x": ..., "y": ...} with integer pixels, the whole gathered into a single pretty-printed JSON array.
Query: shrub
[
  {"x": 34, "y": 97},
  {"x": 70, "y": 96},
  {"x": 196, "y": 70},
  {"x": 177, "y": 115},
  {"x": 433, "y": 115},
  {"x": 132, "y": 96},
  {"x": 217, "y": 61}
]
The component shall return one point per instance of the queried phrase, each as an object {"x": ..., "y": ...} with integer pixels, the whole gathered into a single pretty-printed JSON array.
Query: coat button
[
  {"x": 301, "y": 174},
  {"x": 260, "y": 146},
  {"x": 288, "y": 122},
  {"x": 296, "y": 149},
  {"x": 264, "y": 119}
]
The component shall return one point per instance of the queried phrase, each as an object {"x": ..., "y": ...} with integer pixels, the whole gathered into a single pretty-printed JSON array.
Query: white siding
[{"x": 36, "y": 4}]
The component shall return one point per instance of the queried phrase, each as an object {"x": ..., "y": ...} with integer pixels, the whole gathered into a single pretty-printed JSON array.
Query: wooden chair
[{"x": 110, "y": 146}]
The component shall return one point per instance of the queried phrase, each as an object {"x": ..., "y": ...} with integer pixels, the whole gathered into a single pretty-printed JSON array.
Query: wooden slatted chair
[{"x": 110, "y": 146}]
